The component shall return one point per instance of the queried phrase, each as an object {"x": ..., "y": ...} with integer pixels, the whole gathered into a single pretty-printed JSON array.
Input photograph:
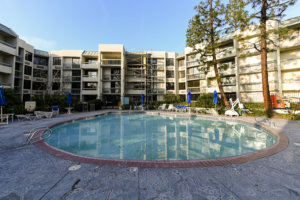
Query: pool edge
[{"x": 280, "y": 144}]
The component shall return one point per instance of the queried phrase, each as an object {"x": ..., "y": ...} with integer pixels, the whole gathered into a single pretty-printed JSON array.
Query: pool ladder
[{"x": 33, "y": 138}]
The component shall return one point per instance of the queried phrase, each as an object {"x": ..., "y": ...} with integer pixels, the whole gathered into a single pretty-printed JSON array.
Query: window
[
  {"x": 76, "y": 73},
  {"x": 75, "y": 61},
  {"x": 27, "y": 84},
  {"x": 170, "y": 74},
  {"x": 55, "y": 86},
  {"x": 193, "y": 83},
  {"x": 170, "y": 86},
  {"x": 170, "y": 62},
  {"x": 91, "y": 60},
  {"x": 93, "y": 74},
  {"x": 90, "y": 85},
  {"x": 39, "y": 86},
  {"x": 182, "y": 74},
  {"x": 40, "y": 61},
  {"x": 193, "y": 70},
  {"x": 28, "y": 56},
  {"x": 181, "y": 86},
  {"x": 56, "y": 73},
  {"x": 40, "y": 73},
  {"x": 56, "y": 61},
  {"x": 27, "y": 70},
  {"x": 181, "y": 63}
]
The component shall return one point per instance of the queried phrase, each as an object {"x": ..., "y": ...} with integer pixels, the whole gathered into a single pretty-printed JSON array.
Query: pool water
[{"x": 155, "y": 137}]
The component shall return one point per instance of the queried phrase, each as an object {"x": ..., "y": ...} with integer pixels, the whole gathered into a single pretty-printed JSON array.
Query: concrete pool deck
[{"x": 27, "y": 172}]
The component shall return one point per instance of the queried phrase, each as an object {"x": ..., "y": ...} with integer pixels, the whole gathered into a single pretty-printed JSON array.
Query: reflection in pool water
[{"x": 153, "y": 137}]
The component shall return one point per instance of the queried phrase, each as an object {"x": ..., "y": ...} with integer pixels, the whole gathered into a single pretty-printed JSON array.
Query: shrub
[
  {"x": 206, "y": 101},
  {"x": 172, "y": 98},
  {"x": 97, "y": 102}
]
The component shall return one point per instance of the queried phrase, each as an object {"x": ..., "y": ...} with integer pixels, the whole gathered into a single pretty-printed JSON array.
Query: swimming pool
[{"x": 145, "y": 137}]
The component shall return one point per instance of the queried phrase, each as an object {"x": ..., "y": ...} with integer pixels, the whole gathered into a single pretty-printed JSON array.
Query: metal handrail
[{"x": 32, "y": 138}]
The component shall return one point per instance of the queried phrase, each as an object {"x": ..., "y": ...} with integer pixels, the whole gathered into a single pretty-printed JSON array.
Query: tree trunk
[
  {"x": 264, "y": 56},
  {"x": 218, "y": 77}
]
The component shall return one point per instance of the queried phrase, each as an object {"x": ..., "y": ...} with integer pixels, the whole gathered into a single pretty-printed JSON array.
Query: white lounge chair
[
  {"x": 162, "y": 107},
  {"x": 171, "y": 108}
]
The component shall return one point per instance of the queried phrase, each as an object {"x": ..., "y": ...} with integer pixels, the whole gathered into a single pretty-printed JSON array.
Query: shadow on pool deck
[{"x": 27, "y": 172}]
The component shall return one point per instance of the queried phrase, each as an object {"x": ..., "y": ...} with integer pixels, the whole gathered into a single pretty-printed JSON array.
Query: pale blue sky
[{"x": 83, "y": 24}]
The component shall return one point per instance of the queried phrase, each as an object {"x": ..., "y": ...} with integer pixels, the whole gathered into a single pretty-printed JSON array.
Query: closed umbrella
[
  {"x": 215, "y": 98},
  {"x": 2, "y": 100},
  {"x": 69, "y": 101},
  {"x": 142, "y": 100},
  {"x": 189, "y": 100}
]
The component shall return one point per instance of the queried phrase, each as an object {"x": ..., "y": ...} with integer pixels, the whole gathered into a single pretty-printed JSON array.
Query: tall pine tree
[{"x": 206, "y": 28}]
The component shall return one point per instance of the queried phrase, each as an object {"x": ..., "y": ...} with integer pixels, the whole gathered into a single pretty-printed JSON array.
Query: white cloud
[{"x": 40, "y": 43}]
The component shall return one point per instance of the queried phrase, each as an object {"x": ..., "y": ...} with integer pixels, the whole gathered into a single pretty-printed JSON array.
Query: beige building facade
[{"x": 111, "y": 73}]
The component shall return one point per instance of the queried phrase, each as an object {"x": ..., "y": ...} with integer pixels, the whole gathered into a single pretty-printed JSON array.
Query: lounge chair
[
  {"x": 4, "y": 119},
  {"x": 171, "y": 108},
  {"x": 162, "y": 107},
  {"x": 55, "y": 110}
]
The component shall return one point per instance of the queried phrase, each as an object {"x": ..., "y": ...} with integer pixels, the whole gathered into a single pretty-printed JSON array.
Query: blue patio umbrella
[
  {"x": 189, "y": 97},
  {"x": 215, "y": 98},
  {"x": 69, "y": 101},
  {"x": 142, "y": 98},
  {"x": 2, "y": 100},
  {"x": 69, "y": 98}
]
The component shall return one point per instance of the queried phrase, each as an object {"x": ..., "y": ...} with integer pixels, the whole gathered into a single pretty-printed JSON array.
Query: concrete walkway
[{"x": 26, "y": 172}]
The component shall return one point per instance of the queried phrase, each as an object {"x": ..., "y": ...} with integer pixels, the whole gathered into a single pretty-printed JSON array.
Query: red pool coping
[{"x": 280, "y": 144}]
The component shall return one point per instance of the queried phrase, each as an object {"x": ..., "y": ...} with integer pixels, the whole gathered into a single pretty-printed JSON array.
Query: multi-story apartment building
[{"x": 112, "y": 73}]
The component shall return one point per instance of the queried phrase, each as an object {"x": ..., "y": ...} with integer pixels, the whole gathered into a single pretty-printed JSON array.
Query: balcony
[
  {"x": 194, "y": 89},
  {"x": 225, "y": 53},
  {"x": 193, "y": 63},
  {"x": 7, "y": 48},
  {"x": 89, "y": 91},
  {"x": 71, "y": 66},
  {"x": 195, "y": 76},
  {"x": 182, "y": 91},
  {"x": 38, "y": 92},
  {"x": 38, "y": 79},
  {"x": 181, "y": 68},
  {"x": 88, "y": 65},
  {"x": 157, "y": 67},
  {"x": 5, "y": 84},
  {"x": 71, "y": 79},
  {"x": 156, "y": 91},
  {"x": 87, "y": 78},
  {"x": 111, "y": 62},
  {"x": 5, "y": 68},
  {"x": 56, "y": 79},
  {"x": 157, "y": 79},
  {"x": 111, "y": 77},
  {"x": 134, "y": 91},
  {"x": 19, "y": 59},
  {"x": 181, "y": 80},
  {"x": 111, "y": 90},
  {"x": 295, "y": 41}
]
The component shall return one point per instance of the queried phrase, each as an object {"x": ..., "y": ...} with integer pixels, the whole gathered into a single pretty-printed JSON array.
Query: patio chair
[
  {"x": 55, "y": 110},
  {"x": 39, "y": 114},
  {"x": 171, "y": 108},
  {"x": 162, "y": 107},
  {"x": 4, "y": 119}
]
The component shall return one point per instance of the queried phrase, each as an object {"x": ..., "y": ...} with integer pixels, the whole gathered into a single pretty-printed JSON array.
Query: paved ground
[{"x": 27, "y": 172}]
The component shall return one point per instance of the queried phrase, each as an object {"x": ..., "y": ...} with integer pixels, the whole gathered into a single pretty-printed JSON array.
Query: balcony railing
[
  {"x": 192, "y": 63},
  {"x": 196, "y": 76},
  {"x": 89, "y": 88},
  {"x": 111, "y": 62},
  {"x": 4, "y": 83},
  {"x": 19, "y": 59},
  {"x": 71, "y": 79},
  {"x": 6, "y": 64},
  {"x": 112, "y": 77},
  {"x": 157, "y": 67},
  {"x": 111, "y": 91},
  {"x": 8, "y": 44},
  {"x": 194, "y": 89},
  {"x": 156, "y": 91},
  {"x": 91, "y": 65},
  {"x": 71, "y": 66}
]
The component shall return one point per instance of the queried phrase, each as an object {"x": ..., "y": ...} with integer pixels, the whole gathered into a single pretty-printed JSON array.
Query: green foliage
[
  {"x": 45, "y": 102},
  {"x": 152, "y": 105},
  {"x": 97, "y": 102},
  {"x": 236, "y": 15},
  {"x": 172, "y": 98},
  {"x": 14, "y": 104},
  {"x": 254, "y": 105},
  {"x": 206, "y": 101}
]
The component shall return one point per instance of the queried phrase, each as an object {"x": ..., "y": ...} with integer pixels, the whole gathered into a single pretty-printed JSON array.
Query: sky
[{"x": 152, "y": 25}]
